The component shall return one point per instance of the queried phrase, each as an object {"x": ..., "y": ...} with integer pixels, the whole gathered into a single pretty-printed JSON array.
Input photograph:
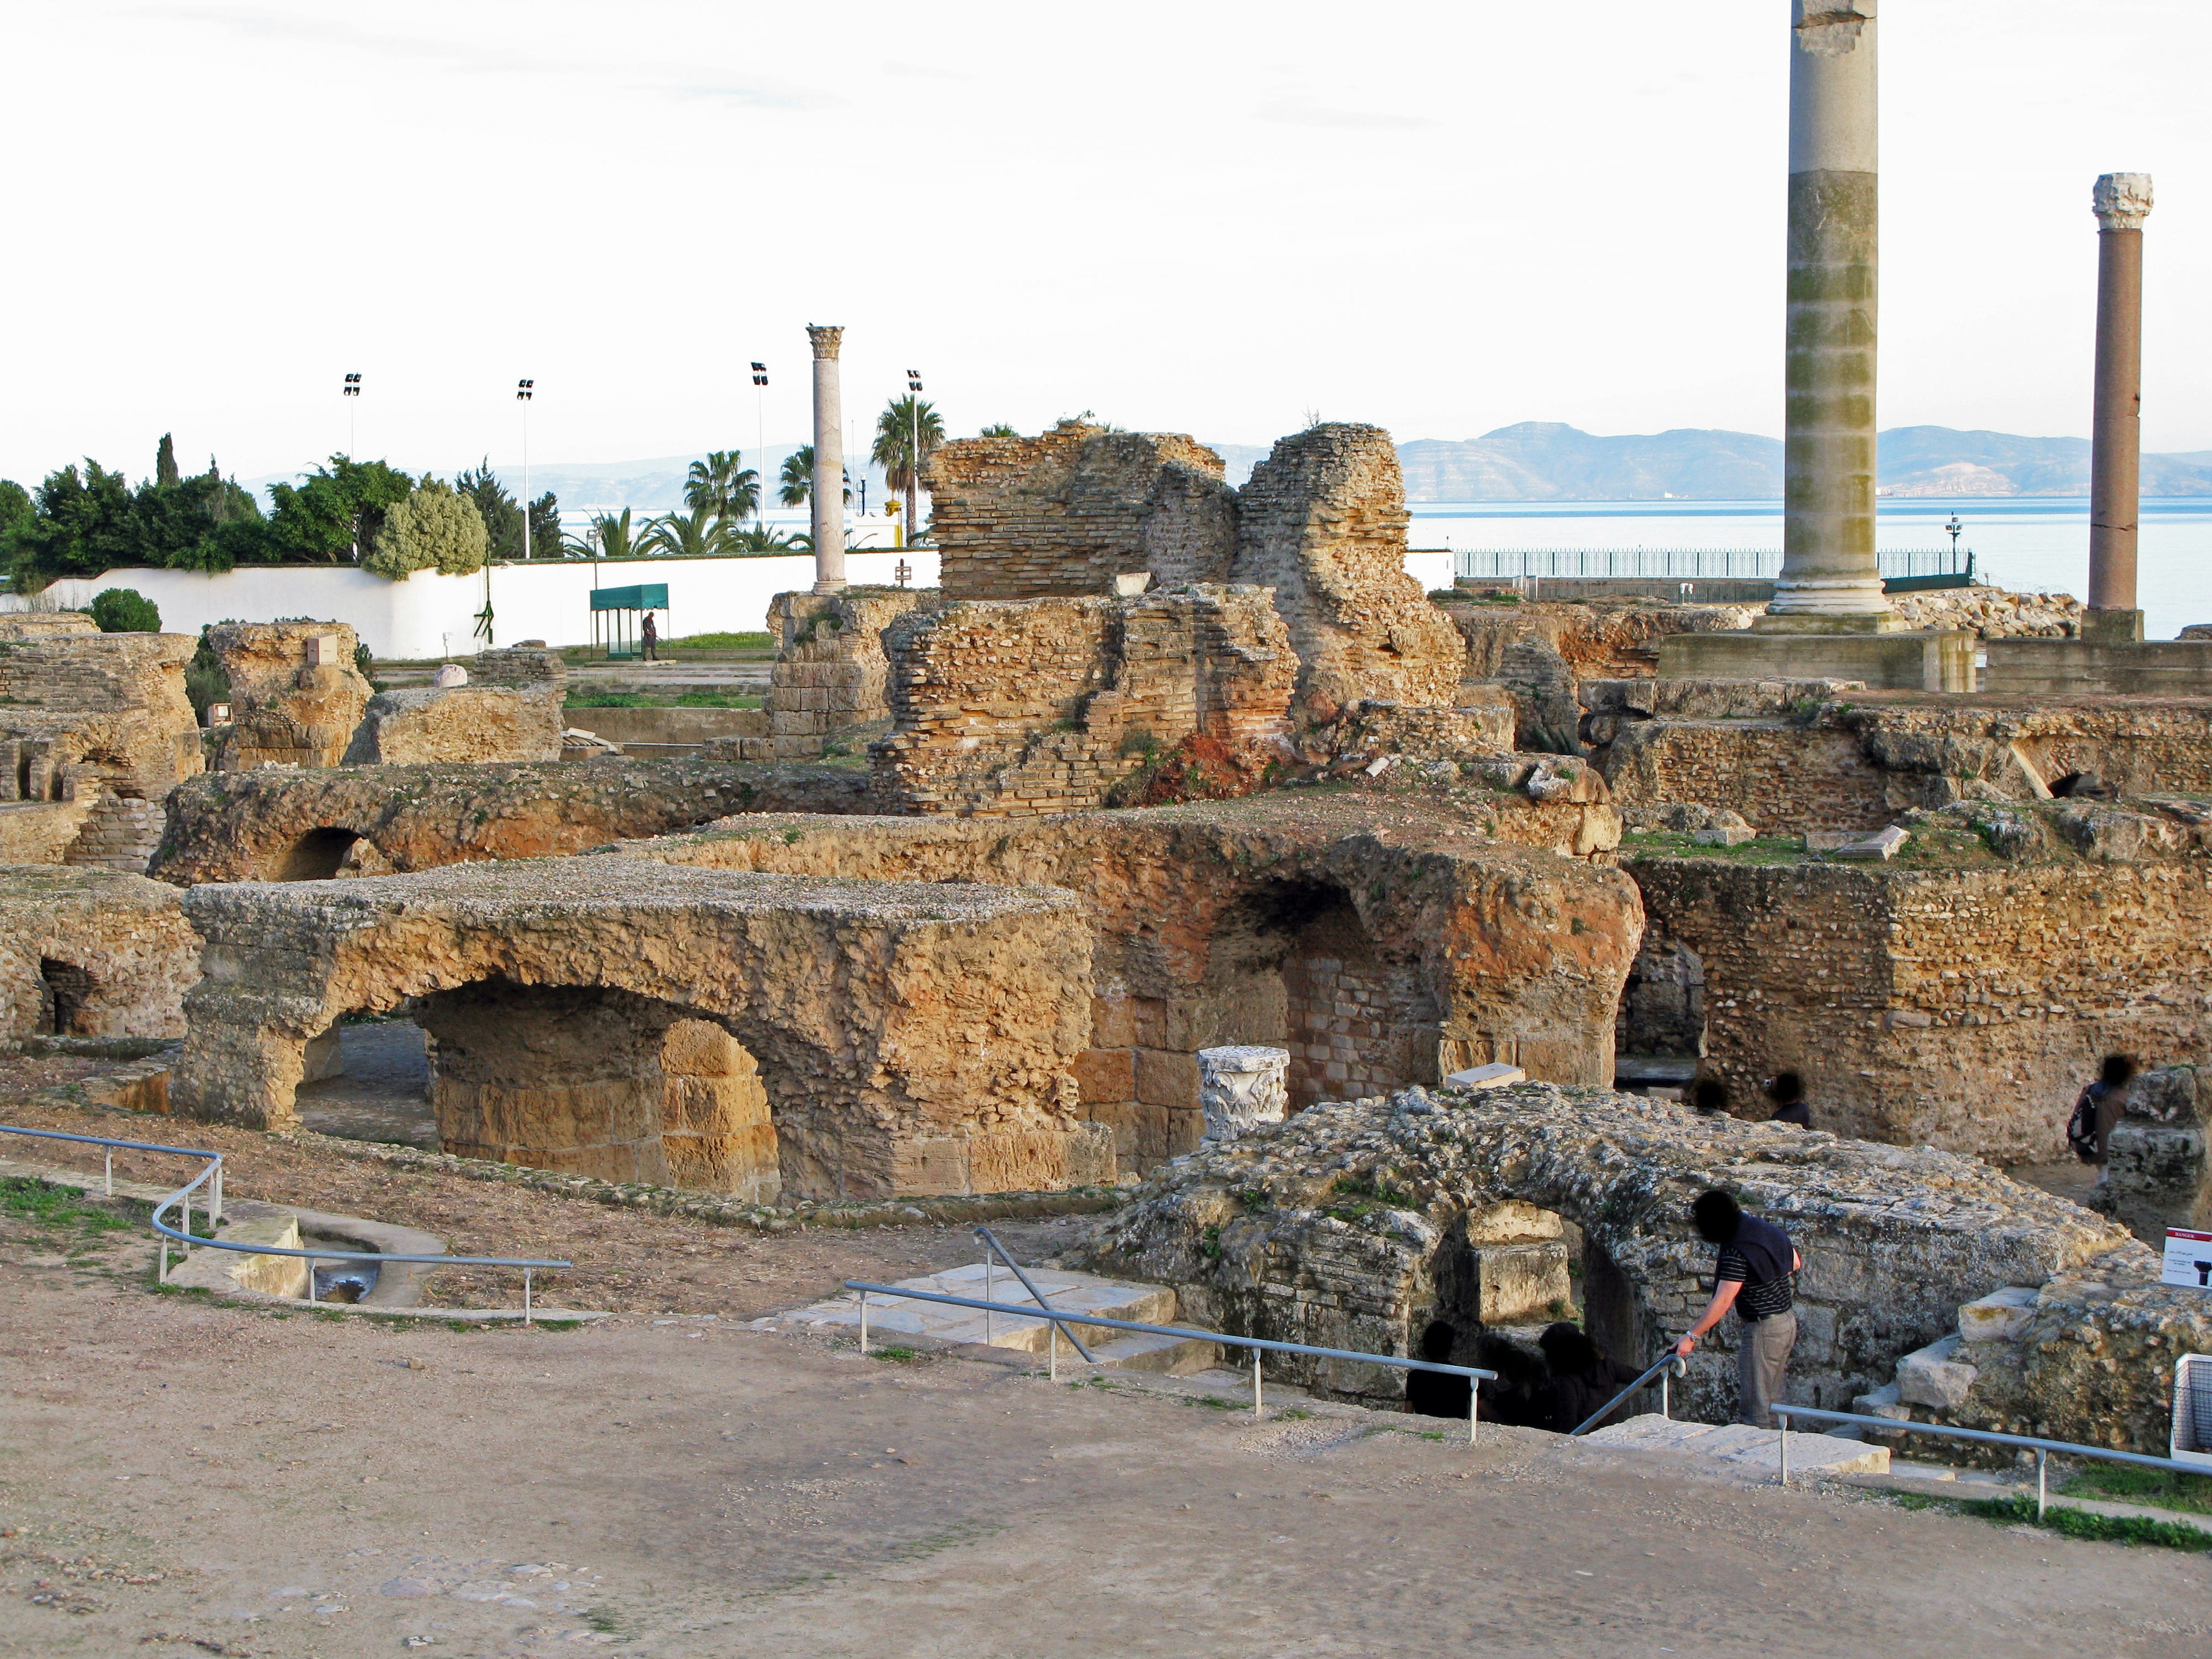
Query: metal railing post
[
  {"x": 1052, "y": 1351},
  {"x": 1256, "y": 1382},
  {"x": 864, "y": 1322},
  {"x": 2042, "y": 1465},
  {"x": 988, "y": 1338},
  {"x": 1473, "y": 1407},
  {"x": 311, "y": 1278},
  {"x": 1665, "y": 1408},
  {"x": 525, "y": 1294},
  {"x": 163, "y": 1278},
  {"x": 186, "y": 1230},
  {"x": 1785, "y": 1451},
  {"x": 214, "y": 1205},
  {"x": 111, "y": 1172}
]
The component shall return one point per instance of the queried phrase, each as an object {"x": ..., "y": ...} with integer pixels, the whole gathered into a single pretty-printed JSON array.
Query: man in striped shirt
[{"x": 1756, "y": 1275}]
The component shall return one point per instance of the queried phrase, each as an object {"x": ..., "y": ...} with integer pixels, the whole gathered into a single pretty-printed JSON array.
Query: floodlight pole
[{"x": 523, "y": 392}]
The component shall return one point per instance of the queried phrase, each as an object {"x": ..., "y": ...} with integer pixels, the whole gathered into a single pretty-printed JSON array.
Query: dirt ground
[
  {"x": 179, "y": 1479},
  {"x": 626, "y": 1261}
]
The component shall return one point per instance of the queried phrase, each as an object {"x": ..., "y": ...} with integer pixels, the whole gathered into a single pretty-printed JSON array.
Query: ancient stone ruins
[{"x": 1180, "y": 847}]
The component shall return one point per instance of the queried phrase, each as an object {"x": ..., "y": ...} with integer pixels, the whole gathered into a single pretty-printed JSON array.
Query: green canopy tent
[{"x": 617, "y": 613}]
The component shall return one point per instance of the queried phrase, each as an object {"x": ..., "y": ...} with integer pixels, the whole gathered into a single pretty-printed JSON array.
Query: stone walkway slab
[{"x": 1741, "y": 1446}]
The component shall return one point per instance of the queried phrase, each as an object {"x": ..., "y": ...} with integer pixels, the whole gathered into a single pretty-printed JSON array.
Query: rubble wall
[
  {"x": 1064, "y": 513},
  {"x": 1322, "y": 522},
  {"x": 93, "y": 953},
  {"x": 461, "y": 725},
  {"x": 286, "y": 710},
  {"x": 827, "y": 680},
  {"x": 1340, "y": 1228},
  {"x": 1014, "y": 709}
]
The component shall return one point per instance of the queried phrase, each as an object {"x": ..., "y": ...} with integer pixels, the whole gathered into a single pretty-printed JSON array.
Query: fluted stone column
[
  {"x": 1830, "y": 582},
  {"x": 2121, "y": 202},
  {"x": 828, "y": 462}
]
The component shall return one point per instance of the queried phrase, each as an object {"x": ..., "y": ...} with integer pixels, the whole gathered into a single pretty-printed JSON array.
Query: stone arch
[
  {"x": 914, "y": 1038},
  {"x": 315, "y": 856}
]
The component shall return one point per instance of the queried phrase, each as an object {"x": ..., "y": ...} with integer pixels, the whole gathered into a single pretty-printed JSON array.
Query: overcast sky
[{"x": 1199, "y": 217}]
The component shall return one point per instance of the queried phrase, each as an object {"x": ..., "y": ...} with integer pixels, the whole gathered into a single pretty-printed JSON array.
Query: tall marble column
[
  {"x": 1829, "y": 581},
  {"x": 828, "y": 462},
  {"x": 2121, "y": 202}
]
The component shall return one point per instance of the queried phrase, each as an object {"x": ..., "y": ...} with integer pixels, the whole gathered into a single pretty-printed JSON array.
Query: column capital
[
  {"x": 825, "y": 338},
  {"x": 2121, "y": 201}
]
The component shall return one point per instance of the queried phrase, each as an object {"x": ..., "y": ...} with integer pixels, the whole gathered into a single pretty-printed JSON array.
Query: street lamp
[
  {"x": 760, "y": 446},
  {"x": 524, "y": 390},
  {"x": 352, "y": 389},
  {"x": 914, "y": 454},
  {"x": 1953, "y": 528}
]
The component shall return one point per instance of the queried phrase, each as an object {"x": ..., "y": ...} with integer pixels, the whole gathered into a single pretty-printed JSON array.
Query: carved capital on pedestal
[
  {"x": 2121, "y": 201},
  {"x": 824, "y": 338}
]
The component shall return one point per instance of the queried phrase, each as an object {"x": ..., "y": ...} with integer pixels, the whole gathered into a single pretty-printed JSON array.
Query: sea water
[{"x": 2039, "y": 544}]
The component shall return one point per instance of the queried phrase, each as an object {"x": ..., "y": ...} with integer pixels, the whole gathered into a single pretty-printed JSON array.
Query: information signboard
[{"x": 2188, "y": 1259}]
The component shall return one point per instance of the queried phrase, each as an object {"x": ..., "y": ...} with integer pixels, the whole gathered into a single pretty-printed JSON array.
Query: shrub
[
  {"x": 125, "y": 610},
  {"x": 436, "y": 528}
]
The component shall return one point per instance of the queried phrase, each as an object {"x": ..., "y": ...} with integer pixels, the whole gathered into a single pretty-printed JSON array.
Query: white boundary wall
[{"x": 431, "y": 615}]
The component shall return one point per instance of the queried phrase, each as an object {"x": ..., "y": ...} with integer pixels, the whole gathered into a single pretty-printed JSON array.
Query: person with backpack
[
  {"x": 2102, "y": 1105},
  {"x": 1787, "y": 1091},
  {"x": 1756, "y": 1274}
]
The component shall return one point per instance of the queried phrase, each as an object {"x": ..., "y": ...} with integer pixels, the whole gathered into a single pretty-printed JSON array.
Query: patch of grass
[
  {"x": 897, "y": 1356},
  {"x": 1667, "y": 843},
  {"x": 1254, "y": 1200},
  {"x": 60, "y": 1211},
  {"x": 1295, "y": 1415},
  {"x": 1210, "y": 1245},
  {"x": 725, "y": 641},
  {"x": 2122, "y": 1483},
  {"x": 2070, "y": 1522},
  {"x": 1366, "y": 1197},
  {"x": 1214, "y": 1402}
]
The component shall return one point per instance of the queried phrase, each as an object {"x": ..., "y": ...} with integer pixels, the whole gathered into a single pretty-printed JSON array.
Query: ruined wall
[
  {"x": 1380, "y": 941},
  {"x": 910, "y": 1039},
  {"x": 1012, "y": 709},
  {"x": 1064, "y": 513},
  {"x": 296, "y": 696},
  {"x": 1322, "y": 522},
  {"x": 281, "y": 824},
  {"x": 828, "y": 681},
  {"x": 1336, "y": 1228},
  {"x": 93, "y": 953},
  {"x": 467, "y": 725},
  {"x": 1957, "y": 1007}
]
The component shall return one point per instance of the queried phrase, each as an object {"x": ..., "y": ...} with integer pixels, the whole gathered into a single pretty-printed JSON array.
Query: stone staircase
[
  {"x": 1939, "y": 1379},
  {"x": 934, "y": 1324},
  {"x": 1740, "y": 1446}
]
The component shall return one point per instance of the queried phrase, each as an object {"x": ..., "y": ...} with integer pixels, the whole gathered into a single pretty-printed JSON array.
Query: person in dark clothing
[
  {"x": 1787, "y": 1091},
  {"x": 1585, "y": 1376},
  {"x": 2103, "y": 1105},
  {"x": 1518, "y": 1395},
  {"x": 1709, "y": 1096},
  {"x": 648, "y": 636},
  {"x": 1756, "y": 1275},
  {"x": 1437, "y": 1394}
]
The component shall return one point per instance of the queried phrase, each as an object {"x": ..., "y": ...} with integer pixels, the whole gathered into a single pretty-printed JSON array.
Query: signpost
[{"x": 2188, "y": 1259}]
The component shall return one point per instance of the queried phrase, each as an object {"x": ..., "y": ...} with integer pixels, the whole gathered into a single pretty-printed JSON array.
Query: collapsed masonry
[
  {"x": 295, "y": 694},
  {"x": 905, "y": 1038},
  {"x": 508, "y": 707},
  {"x": 92, "y": 953},
  {"x": 1352, "y": 1226}
]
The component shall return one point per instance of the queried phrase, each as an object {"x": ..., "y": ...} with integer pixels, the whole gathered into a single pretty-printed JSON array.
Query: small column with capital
[{"x": 829, "y": 461}]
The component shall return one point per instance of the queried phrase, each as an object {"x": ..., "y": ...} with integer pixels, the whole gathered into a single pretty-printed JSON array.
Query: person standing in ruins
[
  {"x": 1787, "y": 1091},
  {"x": 648, "y": 636},
  {"x": 2102, "y": 1105},
  {"x": 1756, "y": 1275}
]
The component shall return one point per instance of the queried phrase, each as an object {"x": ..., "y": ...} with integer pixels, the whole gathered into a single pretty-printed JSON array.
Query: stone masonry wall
[
  {"x": 1012, "y": 709},
  {"x": 830, "y": 673},
  {"x": 93, "y": 953},
  {"x": 285, "y": 709},
  {"x": 1063, "y": 513},
  {"x": 1322, "y": 522}
]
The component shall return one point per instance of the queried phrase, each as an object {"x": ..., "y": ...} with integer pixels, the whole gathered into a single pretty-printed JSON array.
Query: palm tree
[
  {"x": 795, "y": 483},
  {"x": 908, "y": 433},
  {"x": 757, "y": 538},
  {"x": 701, "y": 533},
  {"x": 998, "y": 429},
  {"x": 719, "y": 485},
  {"x": 610, "y": 537}
]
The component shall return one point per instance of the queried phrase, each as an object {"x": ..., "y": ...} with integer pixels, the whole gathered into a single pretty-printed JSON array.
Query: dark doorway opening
[
  {"x": 65, "y": 993},
  {"x": 316, "y": 855}
]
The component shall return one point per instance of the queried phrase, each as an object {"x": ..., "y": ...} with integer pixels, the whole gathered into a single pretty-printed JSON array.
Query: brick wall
[{"x": 828, "y": 676}]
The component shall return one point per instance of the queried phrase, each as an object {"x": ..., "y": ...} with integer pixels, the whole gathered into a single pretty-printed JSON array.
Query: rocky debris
[
  {"x": 1368, "y": 729},
  {"x": 1992, "y": 613},
  {"x": 281, "y": 824},
  {"x": 1688, "y": 818},
  {"x": 1340, "y": 1228},
  {"x": 912, "y": 1037},
  {"x": 296, "y": 696}
]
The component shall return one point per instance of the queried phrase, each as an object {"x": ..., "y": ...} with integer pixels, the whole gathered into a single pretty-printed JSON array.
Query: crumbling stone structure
[
  {"x": 828, "y": 679},
  {"x": 1352, "y": 1226},
  {"x": 1380, "y": 942},
  {"x": 1959, "y": 995},
  {"x": 1791, "y": 756},
  {"x": 909, "y": 1038},
  {"x": 1065, "y": 514},
  {"x": 508, "y": 709},
  {"x": 93, "y": 953},
  {"x": 296, "y": 696},
  {"x": 95, "y": 729},
  {"x": 287, "y": 825},
  {"x": 1047, "y": 705},
  {"x": 2161, "y": 1174}
]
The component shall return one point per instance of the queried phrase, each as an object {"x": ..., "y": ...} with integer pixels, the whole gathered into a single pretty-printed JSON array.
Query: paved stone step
[
  {"x": 1160, "y": 1356},
  {"x": 1742, "y": 1446},
  {"x": 1109, "y": 1298}
]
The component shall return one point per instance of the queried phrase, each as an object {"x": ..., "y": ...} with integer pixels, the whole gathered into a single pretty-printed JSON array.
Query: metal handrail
[
  {"x": 991, "y": 1240},
  {"x": 1669, "y": 1364},
  {"x": 182, "y": 1197},
  {"x": 1259, "y": 1344},
  {"x": 2041, "y": 1448}
]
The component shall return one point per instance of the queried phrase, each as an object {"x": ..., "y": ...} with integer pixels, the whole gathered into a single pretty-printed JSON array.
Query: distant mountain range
[{"x": 1547, "y": 461}]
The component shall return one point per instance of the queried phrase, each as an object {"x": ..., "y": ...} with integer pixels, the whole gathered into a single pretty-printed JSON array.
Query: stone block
[
  {"x": 1495, "y": 1075},
  {"x": 1902, "y": 661},
  {"x": 1523, "y": 1284},
  {"x": 1999, "y": 1317},
  {"x": 1166, "y": 1077},
  {"x": 1726, "y": 829},
  {"x": 1933, "y": 1378},
  {"x": 1104, "y": 1075},
  {"x": 1512, "y": 1223}
]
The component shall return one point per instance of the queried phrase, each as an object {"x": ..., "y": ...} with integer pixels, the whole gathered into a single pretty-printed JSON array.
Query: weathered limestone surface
[
  {"x": 1797, "y": 755},
  {"x": 1322, "y": 522},
  {"x": 2160, "y": 1176},
  {"x": 1958, "y": 1000},
  {"x": 1064, "y": 513},
  {"x": 1016, "y": 708},
  {"x": 296, "y": 696},
  {"x": 1381, "y": 942},
  {"x": 910, "y": 1038},
  {"x": 93, "y": 953},
  {"x": 1349, "y": 1227},
  {"x": 828, "y": 682},
  {"x": 278, "y": 825},
  {"x": 509, "y": 709}
]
